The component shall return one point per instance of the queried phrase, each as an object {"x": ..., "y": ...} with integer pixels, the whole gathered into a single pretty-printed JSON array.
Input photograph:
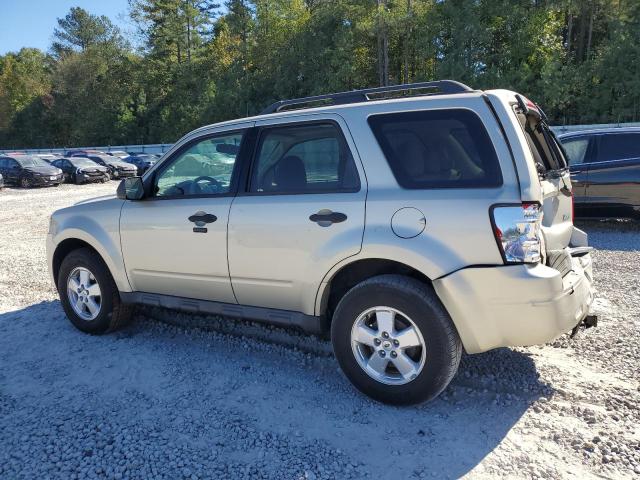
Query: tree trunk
[
  {"x": 383, "y": 46},
  {"x": 582, "y": 33},
  {"x": 407, "y": 40},
  {"x": 188, "y": 38},
  {"x": 569, "y": 33},
  {"x": 590, "y": 34}
]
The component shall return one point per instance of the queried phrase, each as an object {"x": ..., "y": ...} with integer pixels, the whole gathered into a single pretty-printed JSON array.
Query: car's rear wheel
[
  {"x": 89, "y": 294},
  {"x": 394, "y": 340}
]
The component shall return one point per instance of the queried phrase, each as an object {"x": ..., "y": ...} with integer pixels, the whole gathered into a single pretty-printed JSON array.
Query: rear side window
[
  {"x": 302, "y": 159},
  {"x": 618, "y": 146},
  {"x": 437, "y": 149}
]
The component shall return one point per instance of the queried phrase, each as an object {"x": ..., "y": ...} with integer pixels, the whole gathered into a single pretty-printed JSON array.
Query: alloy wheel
[
  {"x": 84, "y": 293},
  {"x": 388, "y": 345}
]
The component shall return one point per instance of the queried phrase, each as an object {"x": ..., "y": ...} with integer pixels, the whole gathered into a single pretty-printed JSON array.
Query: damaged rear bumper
[{"x": 516, "y": 305}]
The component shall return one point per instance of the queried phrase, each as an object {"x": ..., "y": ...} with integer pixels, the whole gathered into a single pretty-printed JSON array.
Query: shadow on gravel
[
  {"x": 486, "y": 399},
  {"x": 612, "y": 234},
  {"x": 446, "y": 438},
  {"x": 276, "y": 399}
]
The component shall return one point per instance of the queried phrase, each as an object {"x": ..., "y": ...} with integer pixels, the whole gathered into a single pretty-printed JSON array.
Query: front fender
[{"x": 96, "y": 224}]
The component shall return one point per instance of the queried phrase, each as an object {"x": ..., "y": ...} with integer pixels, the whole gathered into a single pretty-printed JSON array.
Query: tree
[
  {"x": 198, "y": 63},
  {"x": 24, "y": 79},
  {"x": 79, "y": 30}
]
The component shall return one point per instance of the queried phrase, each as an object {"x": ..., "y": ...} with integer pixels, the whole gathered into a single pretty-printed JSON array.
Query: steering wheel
[{"x": 210, "y": 180}]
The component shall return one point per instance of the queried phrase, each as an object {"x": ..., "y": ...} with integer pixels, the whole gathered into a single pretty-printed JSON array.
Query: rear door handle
[
  {"x": 326, "y": 217},
  {"x": 200, "y": 218}
]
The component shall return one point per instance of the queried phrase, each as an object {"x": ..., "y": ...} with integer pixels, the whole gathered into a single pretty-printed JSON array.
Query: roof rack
[{"x": 440, "y": 87}]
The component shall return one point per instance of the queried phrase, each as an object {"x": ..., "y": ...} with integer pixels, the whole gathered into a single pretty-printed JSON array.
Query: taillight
[
  {"x": 518, "y": 233},
  {"x": 573, "y": 206}
]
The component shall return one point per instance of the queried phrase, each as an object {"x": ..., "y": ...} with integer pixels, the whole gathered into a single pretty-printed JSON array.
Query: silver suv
[{"x": 410, "y": 222}]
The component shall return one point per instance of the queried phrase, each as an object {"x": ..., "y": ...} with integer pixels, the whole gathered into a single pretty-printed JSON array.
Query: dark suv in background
[
  {"x": 28, "y": 171},
  {"x": 605, "y": 171}
]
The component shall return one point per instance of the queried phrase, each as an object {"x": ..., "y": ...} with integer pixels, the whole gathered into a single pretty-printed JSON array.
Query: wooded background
[{"x": 194, "y": 62}]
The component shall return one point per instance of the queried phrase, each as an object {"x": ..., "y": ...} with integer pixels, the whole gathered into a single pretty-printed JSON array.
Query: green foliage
[
  {"x": 81, "y": 30},
  {"x": 199, "y": 62}
]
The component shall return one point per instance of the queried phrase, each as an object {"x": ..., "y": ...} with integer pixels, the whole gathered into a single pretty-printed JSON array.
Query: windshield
[
  {"x": 82, "y": 162},
  {"x": 27, "y": 161}
]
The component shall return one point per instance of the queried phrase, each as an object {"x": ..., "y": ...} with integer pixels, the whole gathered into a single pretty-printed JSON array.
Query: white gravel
[{"x": 176, "y": 396}]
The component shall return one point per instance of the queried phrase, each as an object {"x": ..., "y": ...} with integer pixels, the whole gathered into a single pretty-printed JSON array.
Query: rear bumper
[{"x": 516, "y": 305}]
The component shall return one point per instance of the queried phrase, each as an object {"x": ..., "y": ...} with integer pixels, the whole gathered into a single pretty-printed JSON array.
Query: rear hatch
[{"x": 552, "y": 168}]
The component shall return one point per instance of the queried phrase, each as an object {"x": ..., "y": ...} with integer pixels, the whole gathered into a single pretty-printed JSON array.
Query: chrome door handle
[
  {"x": 326, "y": 217},
  {"x": 202, "y": 218}
]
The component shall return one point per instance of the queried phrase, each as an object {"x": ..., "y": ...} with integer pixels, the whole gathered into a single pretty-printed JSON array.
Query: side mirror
[{"x": 130, "y": 188}]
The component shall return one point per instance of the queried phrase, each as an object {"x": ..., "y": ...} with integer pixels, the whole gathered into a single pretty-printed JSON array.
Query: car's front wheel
[
  {"x": 395, "y": 341},
  {"x": 89, "y": 294},
  {"x": 25, "y": 182}
]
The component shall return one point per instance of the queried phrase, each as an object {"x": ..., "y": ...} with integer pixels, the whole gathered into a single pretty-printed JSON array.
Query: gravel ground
[{"x": 177, "y": 396}]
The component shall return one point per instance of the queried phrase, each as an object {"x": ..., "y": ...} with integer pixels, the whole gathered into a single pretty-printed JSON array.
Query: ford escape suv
[{"x": 409, "y": 222}]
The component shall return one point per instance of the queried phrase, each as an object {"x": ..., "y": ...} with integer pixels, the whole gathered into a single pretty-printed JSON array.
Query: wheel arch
[
  {"x": 347, "y": 276},
  {"x": 80, "y": 239},
  {"x": 63, "y": 249}
]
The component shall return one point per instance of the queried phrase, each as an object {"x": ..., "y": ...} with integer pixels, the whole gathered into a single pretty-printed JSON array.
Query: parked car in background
[
  {"x": 117, "y": 168},
  {"x": 142, "y": 161},
  {"x": 605, "y": 171},
  {"x": 29, "y": 171},
  {"x": 82, "y": 153},
  {"x": 82, "y": 170},
  {"x": 48, "y": 157},
  {"x": 1, "y": 182},
  {"x": 408, "y": 227},
  {"x": 118, "y": 153}
]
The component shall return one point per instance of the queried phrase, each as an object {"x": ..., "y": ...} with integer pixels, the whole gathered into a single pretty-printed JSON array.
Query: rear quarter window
[{"x": 437, "y": 149}]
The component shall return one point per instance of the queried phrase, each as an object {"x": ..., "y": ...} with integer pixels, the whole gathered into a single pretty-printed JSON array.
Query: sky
[{"x": 30, "y": 23}]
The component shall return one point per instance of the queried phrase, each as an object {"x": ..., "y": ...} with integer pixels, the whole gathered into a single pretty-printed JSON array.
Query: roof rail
[{"x": 440, "y": 87}]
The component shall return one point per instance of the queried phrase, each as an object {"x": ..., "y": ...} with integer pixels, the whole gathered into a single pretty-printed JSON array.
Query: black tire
[
  {"x": 75, "y": 180},
  {"x": 25, "y": 182},
  {"x": 113, "y": 313},
  {"x": 421, "y": 304}
]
